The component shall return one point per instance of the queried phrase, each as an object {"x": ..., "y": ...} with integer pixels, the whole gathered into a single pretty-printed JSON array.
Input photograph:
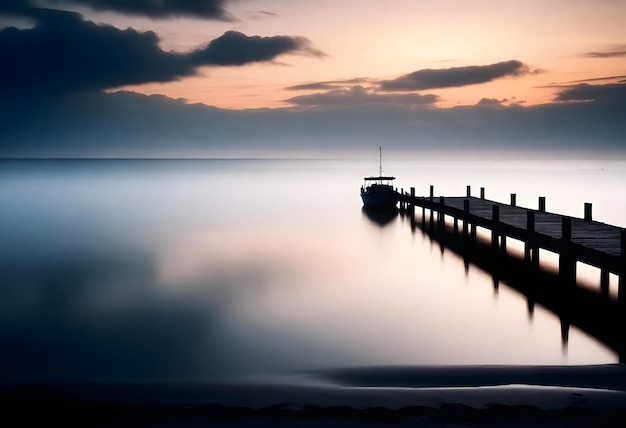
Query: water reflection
[
  {"x": 102, "y": 318},
  {"x": 381, "y": 216}
]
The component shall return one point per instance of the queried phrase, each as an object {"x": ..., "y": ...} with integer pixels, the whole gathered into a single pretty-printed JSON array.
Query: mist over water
[{"x": 216, "y": 269}]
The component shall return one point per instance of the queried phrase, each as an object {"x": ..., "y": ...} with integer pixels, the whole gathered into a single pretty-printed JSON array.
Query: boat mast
[{"x": 380, "y": 161}]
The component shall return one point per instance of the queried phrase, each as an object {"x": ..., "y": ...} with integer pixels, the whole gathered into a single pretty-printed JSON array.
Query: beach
[{"x": 579, "y": 396}]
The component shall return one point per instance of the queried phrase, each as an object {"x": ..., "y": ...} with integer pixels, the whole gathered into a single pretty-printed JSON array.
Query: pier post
[
  {"x": 468, "y": 191},
  {"x": 441, "y": 215},
  {"x": 432, "y": 219},
  {"x": 588, "y": 216},
  {"x": 513, "y": 199},
  {"x": 567, "y": 262},
  {"x": 604, "y": 282},
  {"x": 495, "y": 217},
  {"x": 482, "y": 193},
  {"x": 413, "y": 196},
  {"x": 542, "y": 204},
  {"x": 621, "y": 292},
  {"x": 432, "y": 192},
  {"x": 466, "y": 211},
  {"x": 531, "y": 252},
  {"x": 473, "y": 232}
]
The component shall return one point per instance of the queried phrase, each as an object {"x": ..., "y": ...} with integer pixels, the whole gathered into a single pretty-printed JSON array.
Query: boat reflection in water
[{"x": 380, "y": 215}]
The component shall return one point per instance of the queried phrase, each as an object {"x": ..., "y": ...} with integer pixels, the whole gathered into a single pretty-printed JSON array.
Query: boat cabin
[{"x": 380, "y": 181}]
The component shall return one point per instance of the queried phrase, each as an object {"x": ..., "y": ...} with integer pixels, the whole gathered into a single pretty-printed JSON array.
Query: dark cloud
[
  {"x": 360, "y": 96},
  {"x": 63, "y": 53},
  {"x": 598, "y": 79},
  {"x": 234, "y": 48},
  {"x": 330, "y": 84},
  {"x": 455, "y": 76},
  {"x": 587, "y": 92},
  {"x": 126, "y": 124},
  {"x": 615, "y": 52},
  {"x": 211, "y": 9}
]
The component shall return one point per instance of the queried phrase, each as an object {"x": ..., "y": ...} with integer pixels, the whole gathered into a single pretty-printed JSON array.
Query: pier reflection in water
[
  {"x": 593, "y": 312},
  {"x": 381, "y": 216}
]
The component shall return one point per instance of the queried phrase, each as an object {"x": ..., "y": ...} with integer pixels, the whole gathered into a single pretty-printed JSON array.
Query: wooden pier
[
  {"x": 453, "y": 222},
  {"x": 573, "y": 239}
]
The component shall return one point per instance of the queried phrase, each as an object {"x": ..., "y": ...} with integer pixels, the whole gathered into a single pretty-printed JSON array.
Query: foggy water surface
[{"x": 205, "y": 269}]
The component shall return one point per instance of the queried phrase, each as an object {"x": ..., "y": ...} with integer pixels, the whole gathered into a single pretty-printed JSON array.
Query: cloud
[
  {"x": 63, "y": 53},
  {"x": 234, "y": 48},
  {"x": 358, "y": 95},
  {"x": 597, "y": 79},
  {"x": 260, "y": 15},
  {"x": 491, "y": 101},
  {"x": 587, "y": 92},
  {"x": 209, "y": 9},
  {"x": 331, "y": 84},
  {"x": 126, "y": 124},
  {"x": 316, "y": 86},
  {"x": 455, "y": 76},
  {"x": 615, "y": 52}
]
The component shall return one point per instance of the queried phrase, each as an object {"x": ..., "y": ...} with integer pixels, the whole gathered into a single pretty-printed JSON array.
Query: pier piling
[
  {"x": 466, "y": 210},
  {"x": 530, "y": 228},
  {"x": 567, "y": 263},
  {"x": 495, "y": 217},
  {"x": 441, "y": 217},
  {"x": 588, "y": 216},
  {"x": 622, "y": 273}
]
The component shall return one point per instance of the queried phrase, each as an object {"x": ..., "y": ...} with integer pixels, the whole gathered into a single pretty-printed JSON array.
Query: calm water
[{"x": 134, "y": 270}]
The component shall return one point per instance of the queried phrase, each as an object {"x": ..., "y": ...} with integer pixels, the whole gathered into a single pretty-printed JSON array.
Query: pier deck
[{"x": 597, "y": 236}]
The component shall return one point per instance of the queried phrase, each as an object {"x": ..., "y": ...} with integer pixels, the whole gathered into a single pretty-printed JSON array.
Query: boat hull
[{"x": 379, "y": 196}]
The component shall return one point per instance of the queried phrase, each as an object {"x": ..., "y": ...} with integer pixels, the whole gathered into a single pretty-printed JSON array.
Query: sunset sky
[
  {"x": 440, "y": 71},
  {"x": 559, "y": 42}
]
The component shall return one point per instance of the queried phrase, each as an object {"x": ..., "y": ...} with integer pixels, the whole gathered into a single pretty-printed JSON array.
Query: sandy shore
[{"x": 375, "y": 396}]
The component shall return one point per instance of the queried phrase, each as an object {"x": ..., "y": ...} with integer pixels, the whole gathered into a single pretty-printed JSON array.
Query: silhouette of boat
[{"x": 378, "y": 191}]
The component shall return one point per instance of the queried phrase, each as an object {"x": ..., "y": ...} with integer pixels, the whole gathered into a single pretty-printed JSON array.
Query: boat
[{"x": 378, "y": 191}]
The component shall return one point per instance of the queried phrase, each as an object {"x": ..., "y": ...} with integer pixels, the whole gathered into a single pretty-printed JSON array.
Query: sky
[{"x": 203, "y": 78}]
